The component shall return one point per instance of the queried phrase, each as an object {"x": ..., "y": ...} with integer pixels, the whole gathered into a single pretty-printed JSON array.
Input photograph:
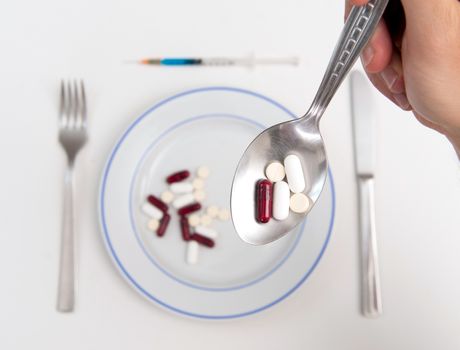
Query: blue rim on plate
[{"x": 126, "y": 274}]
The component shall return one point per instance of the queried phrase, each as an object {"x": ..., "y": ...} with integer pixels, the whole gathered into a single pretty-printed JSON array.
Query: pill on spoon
[
  {"x": 299, "y": 203},
  {"x": 151, "y": 211},
  {"x": 294, "y": 173},
  {"x": 203, "y": 172},
  {"x": 275, "y": 172},
  {"x": 281, "y": 197},
  {"x": 264, "y": 201},
  {"x": 181, "y": 187},
  {"x": 192, "y": 252},
  {"x": 167, "y": 197},
  {"x": 183, "y": 200}
]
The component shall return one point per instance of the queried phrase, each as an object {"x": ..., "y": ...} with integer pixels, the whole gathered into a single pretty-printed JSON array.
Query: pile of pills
[
  {"x": 186, "y": 195},
  {"x": 276, "y": 197}
]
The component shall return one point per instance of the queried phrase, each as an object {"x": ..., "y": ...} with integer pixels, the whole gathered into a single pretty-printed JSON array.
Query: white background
[{"x": 418, "y": 181}]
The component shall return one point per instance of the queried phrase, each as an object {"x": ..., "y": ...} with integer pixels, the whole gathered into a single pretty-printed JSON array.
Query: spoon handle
[{"x": 358, "y": 29}]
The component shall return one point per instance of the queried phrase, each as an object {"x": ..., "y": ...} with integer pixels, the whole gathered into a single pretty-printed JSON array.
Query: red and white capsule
[
  {"x": 178, "y": 176},
  {"x": 264, "y": 201},
  {"x": 207, "y": 242},
  {"x": 157, "y": 202},
  {"x": 152, "y": 211},
  {"x": 188, "y": 209},
  {"x": 185, "y": 228},
  {"x": 163, "y": 225}
]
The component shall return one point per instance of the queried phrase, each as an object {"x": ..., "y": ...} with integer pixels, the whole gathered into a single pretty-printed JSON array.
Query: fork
[{"x": 72, "y": 137}]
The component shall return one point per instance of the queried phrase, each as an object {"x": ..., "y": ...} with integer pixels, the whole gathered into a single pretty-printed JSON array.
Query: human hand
[{"x": 414, "y": 60}]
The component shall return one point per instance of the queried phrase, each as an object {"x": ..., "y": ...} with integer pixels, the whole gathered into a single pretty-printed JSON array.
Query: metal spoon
[{"x": 300, "y": 136}]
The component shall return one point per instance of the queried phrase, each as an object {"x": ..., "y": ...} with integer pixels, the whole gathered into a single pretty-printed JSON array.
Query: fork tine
[
  {"x": 61, "y": 103},
  {"x": 64, "y": 105},
  {"x": 74, "y": 103},
  {"x": 83, "y": 103}
]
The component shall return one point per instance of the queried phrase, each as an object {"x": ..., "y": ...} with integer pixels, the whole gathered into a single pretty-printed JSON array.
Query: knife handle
[{"x": 370, "y": 276}]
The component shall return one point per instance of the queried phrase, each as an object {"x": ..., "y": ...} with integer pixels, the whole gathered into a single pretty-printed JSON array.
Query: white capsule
[
  {"x": 181, "y": 187},
  {"x": 194, "y": 220},
  {"x": 153, "y": 224},
  {"x": 281, "y": 197},
  {"x": 183, "y": 200},
  {"x": 199, "y": 195},
  {"x": 192, "y": 252},
  {"x": 294, "y": 173},
  {"x": 212, "y": 211},
  {"x": 198, "y": 184},
  {"x": 206, "y": 231},
  {"x": 275, "y": 171},
  {"x": 167, "y": 197},
  {"x": 224, "y": 215},
  {"x": 151, "y": 211},
  {"x": 205, "y": 220},
  {"x": 203, "y": 172},
  {"x": 299, "y": 203}
]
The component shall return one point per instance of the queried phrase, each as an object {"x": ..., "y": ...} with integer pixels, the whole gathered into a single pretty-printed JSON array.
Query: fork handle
[
  {"x": 370, "y": 275},
  {"x": 358, "y": 29},
  {"x": 66, "y": 289}
]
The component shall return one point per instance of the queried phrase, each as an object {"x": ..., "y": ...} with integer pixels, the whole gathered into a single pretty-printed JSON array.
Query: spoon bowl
[
  {"x": 275, "y": 143},
  {"x": 300, "y": 137}
]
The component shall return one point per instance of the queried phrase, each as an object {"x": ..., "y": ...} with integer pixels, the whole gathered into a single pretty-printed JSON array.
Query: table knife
[{"x": 364, "y": 135}]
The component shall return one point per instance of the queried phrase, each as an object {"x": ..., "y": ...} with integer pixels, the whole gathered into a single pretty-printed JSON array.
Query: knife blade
[
  {"x": 364, "y": 124},
  {"x": 364, "y": 130}
]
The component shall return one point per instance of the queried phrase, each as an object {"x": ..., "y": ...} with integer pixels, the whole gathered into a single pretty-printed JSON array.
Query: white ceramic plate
[{"x": 209, "y": 126}]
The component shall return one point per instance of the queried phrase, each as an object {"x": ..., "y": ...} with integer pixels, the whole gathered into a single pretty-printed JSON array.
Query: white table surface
[{"x": 417, "y": 194}]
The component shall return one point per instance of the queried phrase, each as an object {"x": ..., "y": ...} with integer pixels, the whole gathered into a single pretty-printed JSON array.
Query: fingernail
[
  {"x": 402, "y": 101},
  {"x": 367, "y": 56},
  {"x": 390, "y": 77}
]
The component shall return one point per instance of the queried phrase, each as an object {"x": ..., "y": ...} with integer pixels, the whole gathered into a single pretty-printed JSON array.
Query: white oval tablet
[
  {"x": 275, "y": 171},
  {"x": 192, "y": 252},
  {"x": 212, "y": 211},
  {"x": 167, "y": 197},
  {"x": 194, "y": 220},
  {"x": 299, "y": 203},
  {"x": 151, "y": 211},
  {"x": 181, "y": 187},
  {"x": 224, "y": 215},
  {"x": 199, "y": 195},
  {"x": 206, "y": 231},
  {"x": 205, "y": 220},
  {"x": 198, "y": 184},
  {"x": 183, "y": 200},
  {"x": 203, "y": 172},
  {"x": 153, "y": 224},
  {"x": 281, "y": 196},
  {"x": 294, "y": 173}
]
